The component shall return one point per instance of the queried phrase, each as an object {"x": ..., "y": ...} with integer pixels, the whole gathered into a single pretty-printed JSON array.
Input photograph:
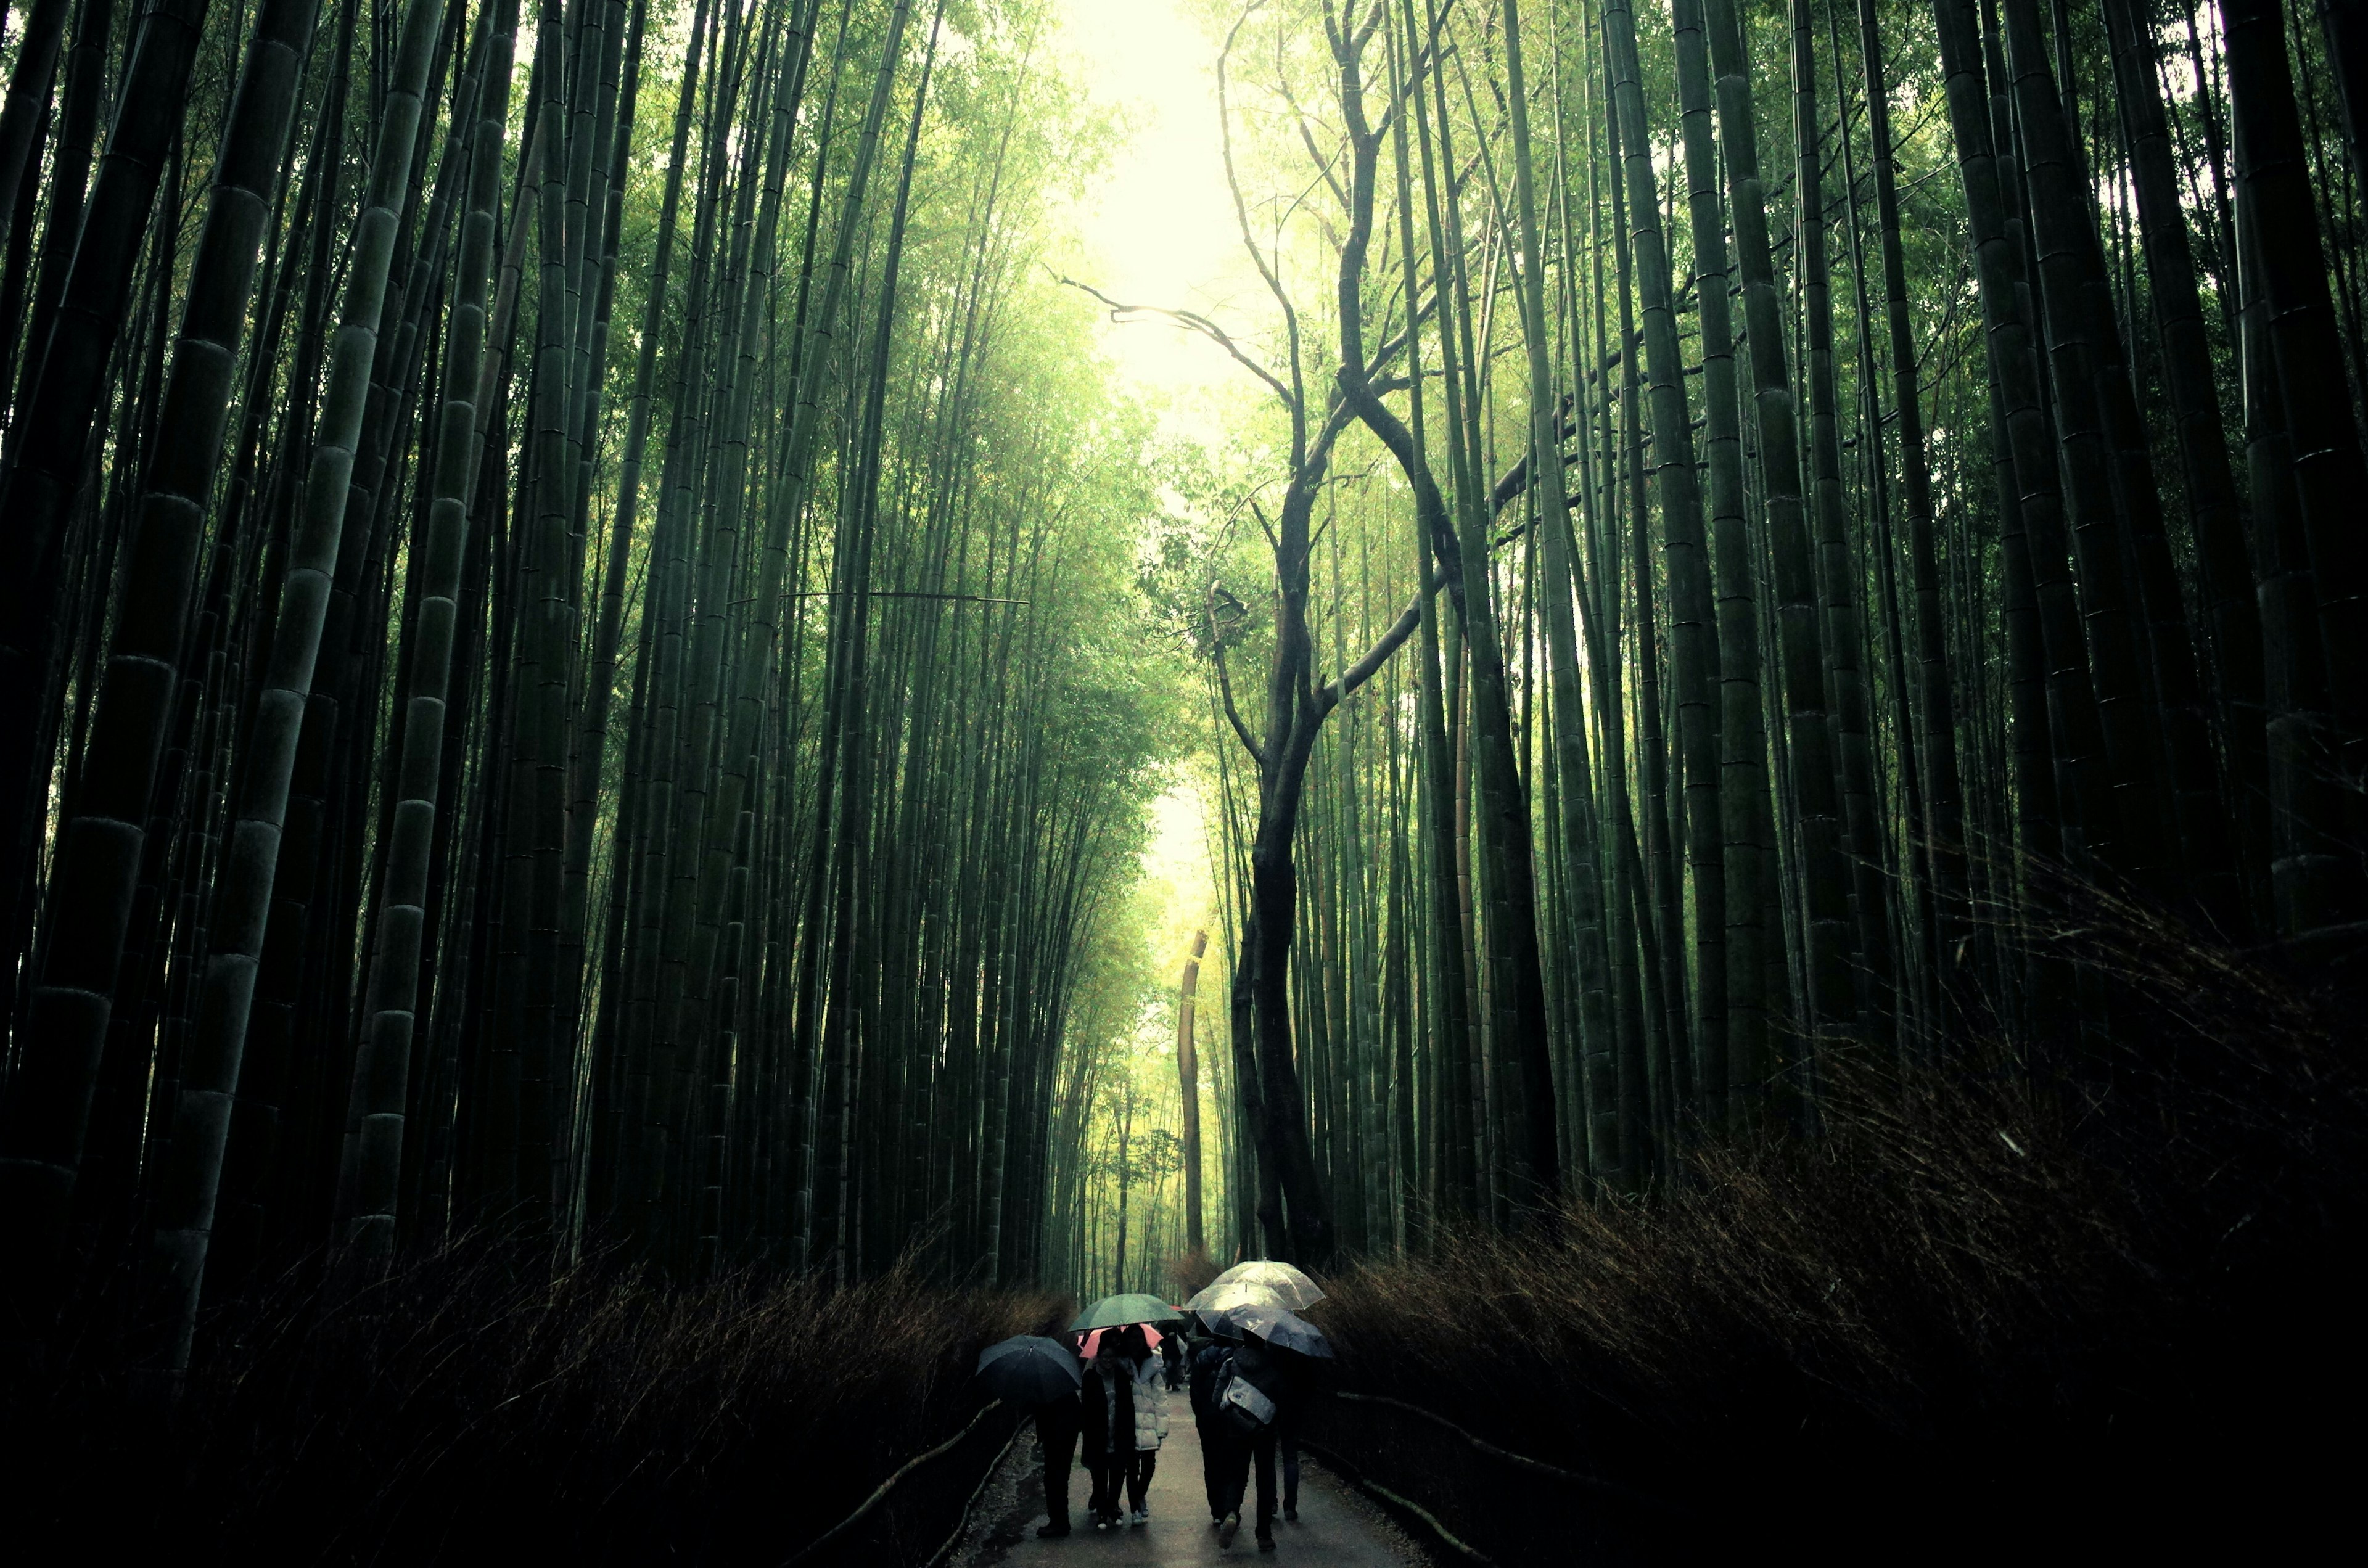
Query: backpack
[{"x": 1244, "y": 1407}]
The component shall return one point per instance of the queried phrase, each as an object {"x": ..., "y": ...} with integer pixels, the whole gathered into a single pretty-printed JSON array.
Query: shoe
[
  {"x": 1266, "y": 1543},
  {"x": 1228, "y": 1528},
  {"x": 1142, "y": 1516},
  {"x": 1052, "y": 1532},
  {"x": 1290, "y": 1514}
]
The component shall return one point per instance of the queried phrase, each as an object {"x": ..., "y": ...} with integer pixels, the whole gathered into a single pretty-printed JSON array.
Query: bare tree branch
[
  {"x": 1259, "y": 512},
  {"x": 1122, "y": 312},
  {"x": 1242, "y": 216},
  {"x": 1322, "y": 164},
  {"x": 1224, "y": 682},
  {"x": 1363, "y": 670}
]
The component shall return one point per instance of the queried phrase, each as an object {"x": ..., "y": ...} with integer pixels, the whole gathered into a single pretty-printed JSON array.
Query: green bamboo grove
[
  {"x": 1759, "y": 518},
  {"x": 567, "y": 654},
  {"x": 587, "y": 642}
]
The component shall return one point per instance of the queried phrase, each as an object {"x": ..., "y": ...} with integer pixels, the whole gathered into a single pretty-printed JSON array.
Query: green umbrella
[{"x": 1116, "y": 1312}]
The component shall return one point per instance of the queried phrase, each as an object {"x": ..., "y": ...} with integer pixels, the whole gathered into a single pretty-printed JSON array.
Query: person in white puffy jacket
[{"x": 1125, "y": 1419}]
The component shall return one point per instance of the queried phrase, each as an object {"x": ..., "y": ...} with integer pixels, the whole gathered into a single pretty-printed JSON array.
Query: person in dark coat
[
  {"x": 1095, "y": 1400},
  {"x": 1125, "y": 1417},
  {"x": 1249, "y": 1444},
  {"x": 1290, "y": 1370},
  {"x": 1056, "y": 1428},
  {"x": 1171, "y": 1359},
  {"x": 1208, "y": 1362}
]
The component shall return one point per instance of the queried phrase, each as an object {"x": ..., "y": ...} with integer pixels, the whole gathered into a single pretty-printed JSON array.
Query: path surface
[{"x": 1336, "y": 1527}]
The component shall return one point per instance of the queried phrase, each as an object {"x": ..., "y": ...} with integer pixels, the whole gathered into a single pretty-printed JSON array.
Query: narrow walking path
[{"x": 1334, "y": 1527}]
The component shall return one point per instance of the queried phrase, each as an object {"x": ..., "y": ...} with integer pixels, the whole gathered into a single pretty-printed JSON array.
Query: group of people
[{"x": 1247, "y": 1400}]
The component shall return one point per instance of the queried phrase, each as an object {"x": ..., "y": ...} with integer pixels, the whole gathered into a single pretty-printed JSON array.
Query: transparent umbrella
[
  {"x": 1223, "y": 1295},
  {"x": 1293, "y": 1287}
]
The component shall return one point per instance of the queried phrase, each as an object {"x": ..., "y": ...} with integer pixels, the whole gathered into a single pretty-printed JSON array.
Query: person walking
[
  {"x": 1058, "y": 1421},
  {"x": 1098, "y": 1403},
  {"x": 1207, "y": 1364},
  {"x": 1257, "y": 1401},
  {"x": 1125, "y": 1418},
  {"x": 1290, "y": 1372}
]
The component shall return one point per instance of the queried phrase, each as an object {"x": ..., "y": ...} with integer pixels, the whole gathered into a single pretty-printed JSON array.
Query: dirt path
[{"x": 1336, "y": 1527}]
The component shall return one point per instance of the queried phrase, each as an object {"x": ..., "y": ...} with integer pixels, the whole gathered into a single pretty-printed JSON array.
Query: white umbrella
[
  {"x": 1224, "y": 1295},
  {"x": 1296, "y": 1289}
]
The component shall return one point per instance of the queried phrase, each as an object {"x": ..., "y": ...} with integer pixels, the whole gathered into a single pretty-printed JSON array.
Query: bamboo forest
[{"x": 1600, "y": 765}]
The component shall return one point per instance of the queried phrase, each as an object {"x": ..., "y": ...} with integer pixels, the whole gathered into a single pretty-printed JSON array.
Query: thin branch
[
  {"x": 1325, "y": 162},
  {"x": 1121, "y": 313},
  {"x": 1322, "y": 164},
  {"x": 885, "y": 1487},
  {"x": 1259, "y": 512},
  {"x": 1363, "y": 670},
  {"x": 1242, "y": 212},
  {"x": 1225, "y": 684}
]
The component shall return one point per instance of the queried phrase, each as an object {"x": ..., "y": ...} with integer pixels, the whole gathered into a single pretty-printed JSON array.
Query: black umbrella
[{"x": 1029, "y": 1369}]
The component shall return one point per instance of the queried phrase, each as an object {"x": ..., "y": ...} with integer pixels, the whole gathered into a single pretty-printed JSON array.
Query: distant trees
[
  {"x": 1870, "y": 562},
  {"x": 565, "y": 645},
  {"x": 570, "y": 663}
]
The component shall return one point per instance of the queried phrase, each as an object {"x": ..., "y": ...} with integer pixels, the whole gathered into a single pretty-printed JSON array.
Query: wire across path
[{"x": 1333, "y": 1528}]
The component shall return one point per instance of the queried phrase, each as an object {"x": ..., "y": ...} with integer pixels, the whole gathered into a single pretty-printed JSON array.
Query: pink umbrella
[{"x": 1093, "y": 1342}]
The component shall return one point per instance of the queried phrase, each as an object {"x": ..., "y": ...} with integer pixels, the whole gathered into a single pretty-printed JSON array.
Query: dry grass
[
  {"x": 474, "y": 1403},
  {"x": 1190, "y": 1272},
  {"x": 1993, "y": 1300}
]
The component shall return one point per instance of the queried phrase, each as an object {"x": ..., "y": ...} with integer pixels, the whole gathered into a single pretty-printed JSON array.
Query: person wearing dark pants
[
  {"x": 1137, "y": 1468},
  {"x": 1057, "y": 1429},
  {"x": 1106, "y": 1405},
  {"x": 1269, "y": 1387},
  {"x": 1125, "y": 1415},
  {"x": 1208, "y": 1361},
  {"x": 1286, "y": 1442},
  {"x": 1101, "y": 1507},
  {"x": 1245, "y": 1455}
]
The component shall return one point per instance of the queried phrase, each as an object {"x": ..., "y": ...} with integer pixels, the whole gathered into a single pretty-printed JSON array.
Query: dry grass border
[
  {"x": 2014, "y": 1302},
  {"x": 475, "y": 1401}
]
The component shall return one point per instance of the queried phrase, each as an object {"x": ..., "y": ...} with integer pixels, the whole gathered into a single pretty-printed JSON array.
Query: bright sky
[
  {"x": 1159, "y": 227},
  {"x": 1176, "y": 873}
]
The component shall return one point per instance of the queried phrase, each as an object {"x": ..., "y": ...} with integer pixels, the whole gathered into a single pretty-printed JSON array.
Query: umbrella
[
  {"x": 1029, "y": 1369},
  {"x": 1226, "y": 1295},
  {"x": 1296, "y": 1289},
  {"x": 1117, "y": 1311},
  {"x": 1283, "y": 1330},
  {"x": 1093, "y": 1342}
]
